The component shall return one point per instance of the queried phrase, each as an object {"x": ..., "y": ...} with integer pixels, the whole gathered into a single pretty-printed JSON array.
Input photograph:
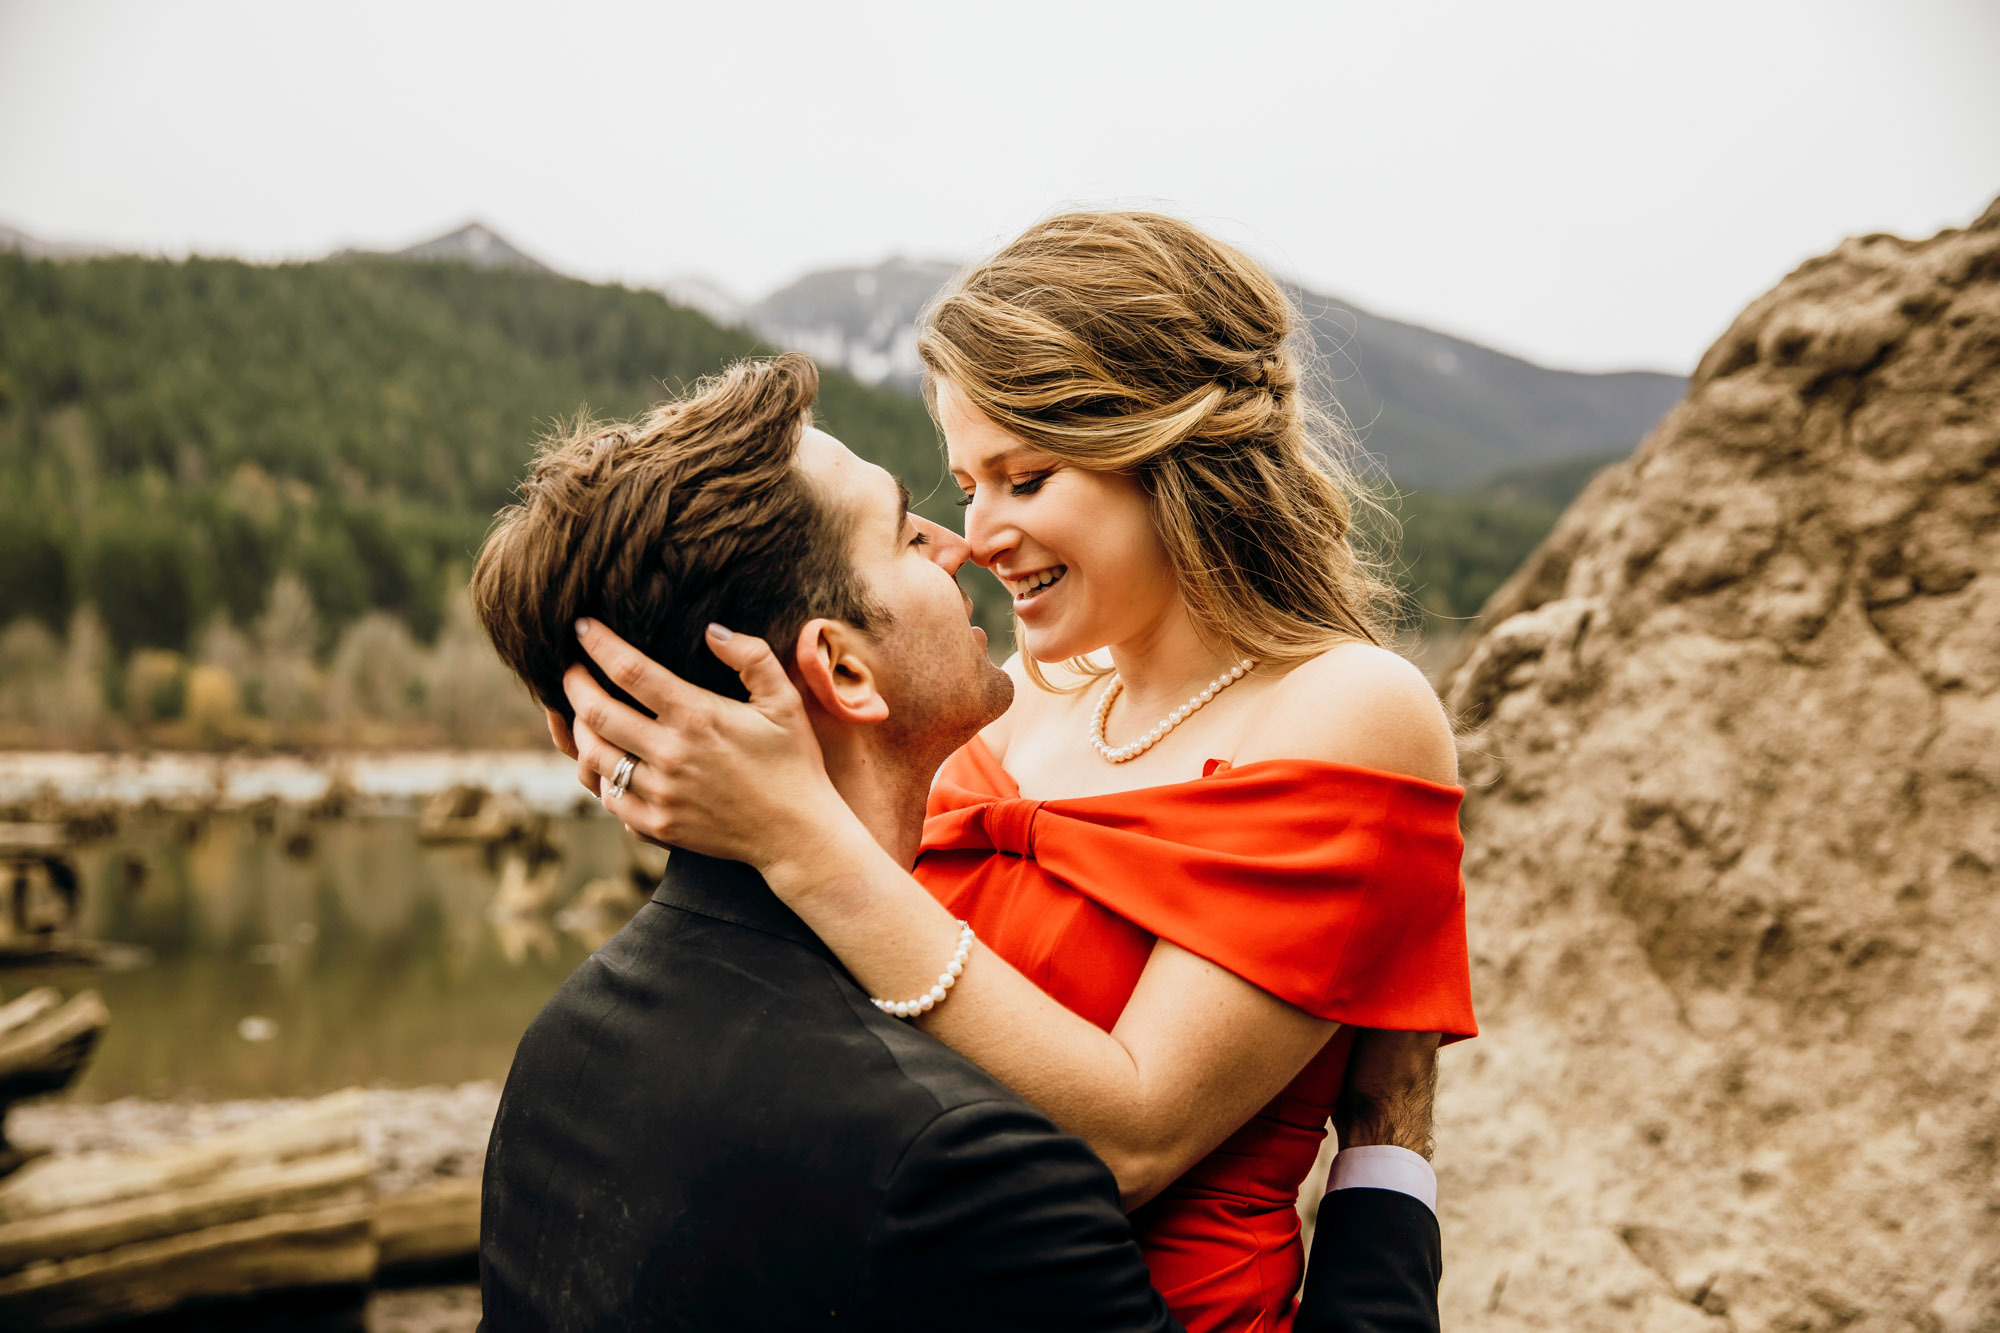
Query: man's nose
[{"x": 947, "y": 549}]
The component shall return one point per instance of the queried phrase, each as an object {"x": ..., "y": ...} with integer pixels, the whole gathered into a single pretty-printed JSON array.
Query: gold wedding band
[{"x": 622, "y": 776}]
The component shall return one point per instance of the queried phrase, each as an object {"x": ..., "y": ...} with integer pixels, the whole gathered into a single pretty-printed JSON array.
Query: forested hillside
[
  {"x": 173, "y": 436},
  {"x": 208, "y": 465}
]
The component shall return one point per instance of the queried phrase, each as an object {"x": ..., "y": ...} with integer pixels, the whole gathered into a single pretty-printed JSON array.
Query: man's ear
[{"x": 836, "y": 674}]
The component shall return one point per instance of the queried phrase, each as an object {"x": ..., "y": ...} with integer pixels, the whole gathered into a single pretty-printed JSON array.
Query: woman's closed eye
[{"x": 1024, "y": 486}]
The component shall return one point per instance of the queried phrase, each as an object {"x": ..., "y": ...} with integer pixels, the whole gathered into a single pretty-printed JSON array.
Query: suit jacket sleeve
[
  {"x": 995, "y": 1220},
  {"x": 1376, "y": 1261}
]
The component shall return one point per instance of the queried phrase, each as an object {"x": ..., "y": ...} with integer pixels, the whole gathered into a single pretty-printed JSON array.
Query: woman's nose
[{"x": 986, "y": 539}]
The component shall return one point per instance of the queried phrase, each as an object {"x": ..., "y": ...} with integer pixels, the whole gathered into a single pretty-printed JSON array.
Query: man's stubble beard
[{"x": 946, "y": 693}]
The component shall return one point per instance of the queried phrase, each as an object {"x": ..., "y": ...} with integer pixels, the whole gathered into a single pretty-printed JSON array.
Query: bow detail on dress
[{"x": 1335, "y": 888}]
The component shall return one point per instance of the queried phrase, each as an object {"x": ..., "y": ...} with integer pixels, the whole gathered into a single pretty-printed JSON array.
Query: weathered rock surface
[{"x": 1733, "y": 744}]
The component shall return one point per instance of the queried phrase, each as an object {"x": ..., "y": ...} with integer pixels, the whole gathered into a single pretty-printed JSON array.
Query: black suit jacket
[{"x": 709, "y": 1127}]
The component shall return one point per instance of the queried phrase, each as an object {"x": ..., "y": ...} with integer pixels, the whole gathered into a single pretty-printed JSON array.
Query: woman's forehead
[{"x": 970, "y": 435}]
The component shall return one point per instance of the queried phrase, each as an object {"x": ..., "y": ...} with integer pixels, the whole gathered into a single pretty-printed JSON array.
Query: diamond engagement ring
[{"x": 621, "y": 776}]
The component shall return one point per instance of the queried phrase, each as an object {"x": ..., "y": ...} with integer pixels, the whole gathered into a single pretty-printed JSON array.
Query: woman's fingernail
[
  {"x": 584, "y": 626},
  {"x": 719, "y": 634}
]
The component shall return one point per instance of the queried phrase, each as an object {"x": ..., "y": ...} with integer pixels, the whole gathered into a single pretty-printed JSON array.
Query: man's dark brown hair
[{"x": 696, "y": 513}]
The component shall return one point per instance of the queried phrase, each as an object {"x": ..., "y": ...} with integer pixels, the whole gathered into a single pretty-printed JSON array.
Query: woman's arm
[{"x": 1196, "y": 1052}]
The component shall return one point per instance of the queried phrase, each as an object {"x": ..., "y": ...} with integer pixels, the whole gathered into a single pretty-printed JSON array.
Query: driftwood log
[
  {"x": 284, "y": 1204},
  {"x": 429, "y": 1229},
  {"x": 44, "y": 1042}
]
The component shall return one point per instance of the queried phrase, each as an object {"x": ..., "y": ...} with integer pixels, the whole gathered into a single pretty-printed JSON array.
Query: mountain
[
  {"x": 21, "y": 243},
  {"x": 1439, "y": 412},
  {"x": 475, "y": 243},
  {"x": 708, "y": 296},
  {"x": 1550, "y": 484},
  {"x": 478, "y": 245},
  {"x": 1443, "y": 412},
  {"x": 863, "y": 319}
]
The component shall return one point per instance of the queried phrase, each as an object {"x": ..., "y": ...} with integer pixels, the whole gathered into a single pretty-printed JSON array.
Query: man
[{"x": 710, "y": 1126}]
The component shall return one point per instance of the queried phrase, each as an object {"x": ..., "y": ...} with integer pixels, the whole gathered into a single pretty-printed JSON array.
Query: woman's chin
[{"x": 1052, "y": 649}]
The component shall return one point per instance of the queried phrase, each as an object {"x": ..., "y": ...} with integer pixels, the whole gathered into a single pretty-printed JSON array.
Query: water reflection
[{"x": 278, "y": 955}]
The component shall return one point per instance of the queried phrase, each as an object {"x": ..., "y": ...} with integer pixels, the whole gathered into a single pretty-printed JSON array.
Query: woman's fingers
[
  {"x": 607, "y": 718},
  {"x": 637, "y": 807},
  {"x": 634, "y": 672},
  {"x": 559, "y": 732},
  {"x": 587, "y": 745},
  {"x": 755, "y": 665}
]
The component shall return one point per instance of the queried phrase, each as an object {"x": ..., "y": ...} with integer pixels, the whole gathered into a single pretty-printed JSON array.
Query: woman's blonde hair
[{"x": 1134, "y": 343}]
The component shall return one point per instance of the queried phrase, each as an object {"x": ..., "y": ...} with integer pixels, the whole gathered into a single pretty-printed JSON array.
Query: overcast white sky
[{"x": 1598, "y": 185}]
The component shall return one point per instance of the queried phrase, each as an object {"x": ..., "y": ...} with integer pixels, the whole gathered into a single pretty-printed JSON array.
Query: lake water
[{"x": 273, "y": 953}]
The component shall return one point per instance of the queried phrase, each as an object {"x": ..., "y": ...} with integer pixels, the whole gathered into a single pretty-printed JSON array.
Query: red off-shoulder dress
[{"x": 1335, "y": 888}]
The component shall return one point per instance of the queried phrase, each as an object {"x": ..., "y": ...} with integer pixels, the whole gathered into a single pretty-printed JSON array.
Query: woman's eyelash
[
  {"x": 1025, "y": 486},
  {"x": 921, "y": 539}
]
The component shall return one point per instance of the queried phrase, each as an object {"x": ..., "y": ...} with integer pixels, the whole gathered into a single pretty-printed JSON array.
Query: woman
[{"x": 1188, "y": 875}]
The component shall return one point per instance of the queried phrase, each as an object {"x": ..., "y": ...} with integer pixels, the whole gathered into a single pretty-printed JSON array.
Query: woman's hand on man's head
[{"x": 740, "y": 781}]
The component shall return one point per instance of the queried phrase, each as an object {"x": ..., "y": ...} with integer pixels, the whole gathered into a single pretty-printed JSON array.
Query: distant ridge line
[
  {"x": 1435, "y": 410},
  {"x": 474, "y": 243}
]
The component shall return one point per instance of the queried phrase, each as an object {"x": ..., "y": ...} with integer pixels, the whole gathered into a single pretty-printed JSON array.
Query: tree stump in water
[{"x": 38, "y": 895}]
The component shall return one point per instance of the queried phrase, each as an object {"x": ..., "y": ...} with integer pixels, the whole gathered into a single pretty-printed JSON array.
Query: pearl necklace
[{"x": 1125, "y": 753}]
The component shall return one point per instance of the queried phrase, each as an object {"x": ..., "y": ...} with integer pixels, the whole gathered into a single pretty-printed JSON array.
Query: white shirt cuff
[{"x": 1385, "y": 1167}]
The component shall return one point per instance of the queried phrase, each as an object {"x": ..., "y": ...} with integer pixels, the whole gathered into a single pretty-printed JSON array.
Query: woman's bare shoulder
[{"x": 1356, "y": 704}]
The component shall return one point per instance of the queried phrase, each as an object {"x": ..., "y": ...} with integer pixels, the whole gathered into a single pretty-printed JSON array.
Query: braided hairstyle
[{"x": 1134, "y": 343}]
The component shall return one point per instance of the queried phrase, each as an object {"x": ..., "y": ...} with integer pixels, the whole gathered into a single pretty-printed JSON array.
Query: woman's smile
[{"x": 1032, "y": 590}]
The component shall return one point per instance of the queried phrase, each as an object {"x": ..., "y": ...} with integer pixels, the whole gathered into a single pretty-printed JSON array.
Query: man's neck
[{"x": 888, "y": 796}]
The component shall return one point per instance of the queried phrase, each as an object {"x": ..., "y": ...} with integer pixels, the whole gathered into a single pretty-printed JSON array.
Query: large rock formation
[{"x": 1733, "y": 744}]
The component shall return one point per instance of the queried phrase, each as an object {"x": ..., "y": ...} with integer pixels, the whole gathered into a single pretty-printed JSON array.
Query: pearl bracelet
[{"x": 948, "y": 978}]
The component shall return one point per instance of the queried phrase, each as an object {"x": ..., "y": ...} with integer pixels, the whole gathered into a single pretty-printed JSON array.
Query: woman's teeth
[{"x": 1034, "y": 583}]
